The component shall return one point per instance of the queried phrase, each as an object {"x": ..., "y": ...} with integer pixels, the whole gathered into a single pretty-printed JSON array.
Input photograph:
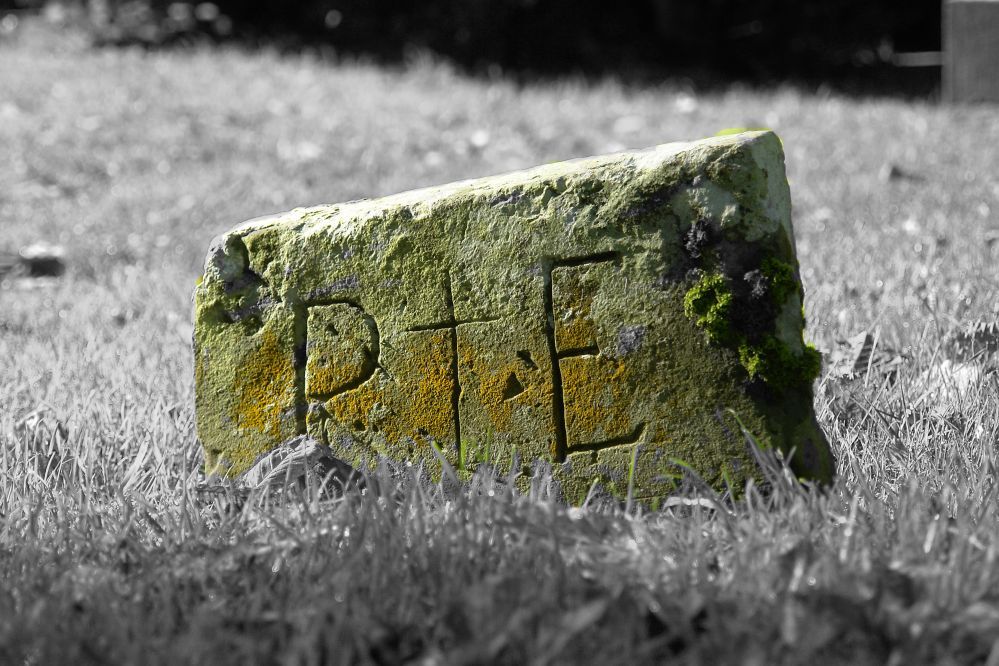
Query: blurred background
[
  {"x": 851, "y": 44},
  {"x": 134, "y": 131}
]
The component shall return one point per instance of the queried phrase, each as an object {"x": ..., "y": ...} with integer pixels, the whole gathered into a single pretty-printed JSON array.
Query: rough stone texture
[
  {"x": 575, "y": 313},
  {"x": 971, "y": 50}
]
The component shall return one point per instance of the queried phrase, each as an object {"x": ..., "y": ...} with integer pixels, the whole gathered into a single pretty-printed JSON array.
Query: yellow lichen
[
  {"x": 491, "y": 385},
  {"x": 418, "y": 407},
  {"x": 427, "y": 405},
  {"x": 355, "y": 405},
  {"x": 574, "y": 327},
  {"x": 596, "y": 405},
  {"x": 261, "y": 385}
]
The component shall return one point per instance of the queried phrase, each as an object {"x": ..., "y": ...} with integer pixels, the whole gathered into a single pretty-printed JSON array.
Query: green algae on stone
[
  {"x": 709, "y": 303},
  {"x": 764, "y": 356},
  {"x": 588, "y": 314}
]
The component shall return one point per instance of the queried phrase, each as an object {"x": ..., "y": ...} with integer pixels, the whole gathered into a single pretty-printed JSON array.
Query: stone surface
[
  {"x": 587, "y": 313},
  {"x": 971, "y": 50}
]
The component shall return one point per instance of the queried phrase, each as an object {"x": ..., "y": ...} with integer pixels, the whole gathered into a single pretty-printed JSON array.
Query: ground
[{"x": 110, "y": 552}]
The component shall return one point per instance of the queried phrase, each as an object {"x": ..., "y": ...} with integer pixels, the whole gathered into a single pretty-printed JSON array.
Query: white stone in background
[
  {"x": 952, "y": 381},
  {"x": 971, "y": 50}
]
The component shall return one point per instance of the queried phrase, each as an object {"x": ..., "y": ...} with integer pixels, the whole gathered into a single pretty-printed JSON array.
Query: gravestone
[
  {"x": 617, "y": 317},
  {"x": 971, "y": 50}
]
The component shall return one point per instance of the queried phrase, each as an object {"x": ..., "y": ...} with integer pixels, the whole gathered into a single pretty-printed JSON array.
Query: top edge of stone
[{"x": 427, "y": 196}]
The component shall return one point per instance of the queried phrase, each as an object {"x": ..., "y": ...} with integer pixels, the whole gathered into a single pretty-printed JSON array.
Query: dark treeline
[{"x": 752, "y": 39}]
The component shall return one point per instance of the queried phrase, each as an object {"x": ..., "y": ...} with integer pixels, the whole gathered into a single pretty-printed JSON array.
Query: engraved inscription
[
  {"x": 587, "y": 412},
  {"x": 342, "y": 348},
  {"x": 451, "y": 325}
]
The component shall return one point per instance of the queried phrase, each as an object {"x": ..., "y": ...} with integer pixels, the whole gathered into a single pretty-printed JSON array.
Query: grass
[{"x": 109, "y": 552}]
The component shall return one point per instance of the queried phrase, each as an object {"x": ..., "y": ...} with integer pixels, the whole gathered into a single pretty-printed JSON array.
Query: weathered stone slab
[{"x": 574, "y": 313}]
